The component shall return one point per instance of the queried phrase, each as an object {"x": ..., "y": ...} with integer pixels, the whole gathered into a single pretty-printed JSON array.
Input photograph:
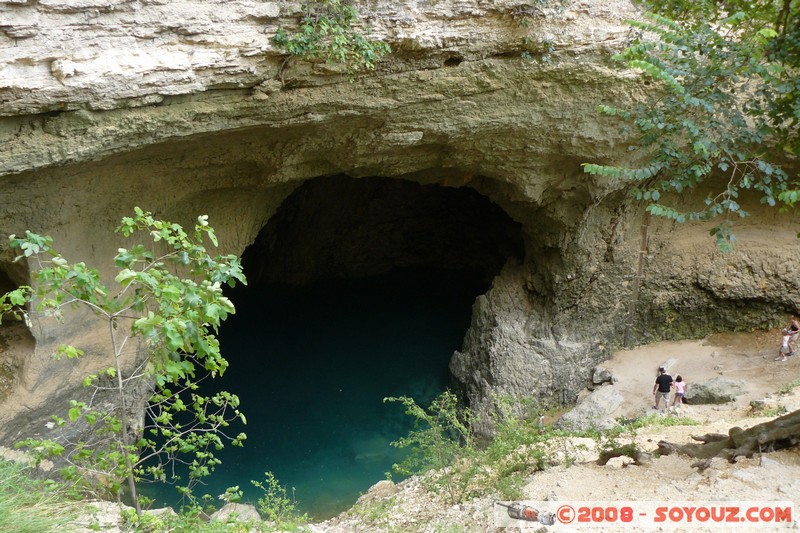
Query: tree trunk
[
  {"x": 124, "y": 420},
  {"x": 628, "y": 450},
  {"x": 777, "y": 434}
]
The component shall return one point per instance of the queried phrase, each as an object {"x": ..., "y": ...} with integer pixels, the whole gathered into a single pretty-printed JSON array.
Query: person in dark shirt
[{"x": 662, "y": 387}]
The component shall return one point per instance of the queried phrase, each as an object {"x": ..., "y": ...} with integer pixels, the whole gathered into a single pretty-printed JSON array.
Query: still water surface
[{"x": 312, "y": 365}]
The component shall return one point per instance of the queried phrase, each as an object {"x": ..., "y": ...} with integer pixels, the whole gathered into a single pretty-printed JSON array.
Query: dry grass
[{"x": 30, "y": 505}]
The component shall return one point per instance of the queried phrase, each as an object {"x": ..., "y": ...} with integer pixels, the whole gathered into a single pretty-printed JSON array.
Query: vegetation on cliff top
[{"x": 328, "y": 33}]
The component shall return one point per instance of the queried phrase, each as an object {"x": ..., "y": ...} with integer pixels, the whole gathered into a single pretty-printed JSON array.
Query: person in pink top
[{"x": 680, "y": 390}]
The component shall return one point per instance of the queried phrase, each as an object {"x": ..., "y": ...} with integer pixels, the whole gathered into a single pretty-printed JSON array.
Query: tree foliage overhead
[{"x": 726, "y": 105}]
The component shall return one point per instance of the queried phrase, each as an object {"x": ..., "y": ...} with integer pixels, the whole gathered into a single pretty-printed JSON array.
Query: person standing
[
  {"x": 789, "y": 337},
  {"x": 662, "y": 387},
  {"x": 680, "y": 391},
  {"x": 786, "y": 345},
  {"x": 794, "y": 329}
]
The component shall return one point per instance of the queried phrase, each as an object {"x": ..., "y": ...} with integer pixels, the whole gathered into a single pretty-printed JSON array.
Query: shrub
[{"x": 328, "y": 33}]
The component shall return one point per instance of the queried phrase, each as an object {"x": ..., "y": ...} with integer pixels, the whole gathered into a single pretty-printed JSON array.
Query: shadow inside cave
[{"x": 359, "y": 289}]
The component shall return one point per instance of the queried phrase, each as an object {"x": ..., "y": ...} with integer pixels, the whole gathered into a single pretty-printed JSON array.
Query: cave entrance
[{"x": 358, "y": 289}]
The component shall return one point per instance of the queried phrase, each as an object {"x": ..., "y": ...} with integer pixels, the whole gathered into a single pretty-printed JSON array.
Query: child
[
  {"x": 786, "y": 347},
  {"x": 680, "y": 390}
]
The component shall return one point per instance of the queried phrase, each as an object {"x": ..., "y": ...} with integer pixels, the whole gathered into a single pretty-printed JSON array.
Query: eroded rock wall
[
  {"x": 186, "y": 67},
  {"x": 510, "y": 352},
  {"x": 108, "y": 54},
  {"x": 186, "y": 108}
]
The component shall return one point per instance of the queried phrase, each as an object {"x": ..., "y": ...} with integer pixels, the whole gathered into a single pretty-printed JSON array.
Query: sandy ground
[
  {"x": 736, "y": 356},
  {"x": 765, "y": 479},
  {"x": 769, "y": 477}
]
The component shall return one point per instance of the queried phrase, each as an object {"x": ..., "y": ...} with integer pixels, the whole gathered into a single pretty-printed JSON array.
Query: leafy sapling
[{"x": 161, "y": 317}]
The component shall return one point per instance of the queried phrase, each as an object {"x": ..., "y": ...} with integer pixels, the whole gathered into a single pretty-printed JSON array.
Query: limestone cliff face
[
  {"x": 185, "y": 107},
  {"x": 180, "y": 68}
]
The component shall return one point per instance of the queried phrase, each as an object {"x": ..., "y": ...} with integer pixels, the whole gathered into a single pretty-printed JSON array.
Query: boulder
[
  {"x": 510, "y": 352},
  {"x": 714, "y": 391},
  {"x": 602, "y": 375},
  {"x": 380, "y": 490},
  {"x": 594, "y": 411},
  {"x": 241, "y": 512}
]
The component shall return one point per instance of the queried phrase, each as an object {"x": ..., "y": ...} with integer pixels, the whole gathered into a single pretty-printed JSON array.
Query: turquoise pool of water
[{"x": 312, "y": 365}]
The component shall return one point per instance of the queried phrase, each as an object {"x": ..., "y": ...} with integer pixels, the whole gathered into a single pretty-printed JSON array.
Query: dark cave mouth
[
  {"x": 358, "y": 289},
  {"x": 339, "y": 227}
]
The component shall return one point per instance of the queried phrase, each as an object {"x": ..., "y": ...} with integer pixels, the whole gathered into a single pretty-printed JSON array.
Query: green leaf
[
  {"x": 658, "y": 74},
  {"x": 125, "y": 276},
  {"x": 147, "y": 324},
  {"x": 18, "y": 297},
  {"x": 212, "y": 236},
  {"x": 171, "y": 293},
  {"x": 70, "y": 352},
  {"x": 174, "y": 338},
  {"x": 602, "y": 170}
]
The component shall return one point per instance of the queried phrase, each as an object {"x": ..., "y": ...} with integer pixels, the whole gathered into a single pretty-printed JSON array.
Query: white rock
[{"x": 240, "y": 511}]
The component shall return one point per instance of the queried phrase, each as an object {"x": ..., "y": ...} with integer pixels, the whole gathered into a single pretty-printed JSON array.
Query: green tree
[
  {"x": 328, "y": 33},
  {"x": 726, "y": 105},
  {"x": 162, "y": 313}
]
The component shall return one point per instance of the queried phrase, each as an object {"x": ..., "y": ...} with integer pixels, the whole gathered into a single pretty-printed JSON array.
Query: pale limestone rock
[
  {"x": 240, "y": 512},
  {"x": 382, "y": 489},
  {"x": 714, "y": 391},
  {"x": 135, "y": 44},
  {"x": 100, "y": 516},
  {"x": 601, "y": 374},
  {"x": 594, "y": 411},
  {"x": 507, "y": 353}
]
